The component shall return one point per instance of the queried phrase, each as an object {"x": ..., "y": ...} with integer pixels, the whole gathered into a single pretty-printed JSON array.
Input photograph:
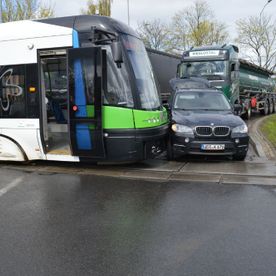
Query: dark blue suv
[{"x": 203, "y": 122}]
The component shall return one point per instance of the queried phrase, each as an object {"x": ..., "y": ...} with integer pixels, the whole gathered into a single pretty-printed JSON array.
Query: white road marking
[{"x": 10, "y": 186}]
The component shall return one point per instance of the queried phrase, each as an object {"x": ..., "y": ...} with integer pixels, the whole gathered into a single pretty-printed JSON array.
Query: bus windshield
[
  {"x": 212, "y": 70},
  {"x": 144, "y": 77}
]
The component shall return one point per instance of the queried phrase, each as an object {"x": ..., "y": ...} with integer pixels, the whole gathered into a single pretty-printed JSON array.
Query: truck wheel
[
  {"x": 265, "y": 110},
  {"x": 248, "y": 113},
  {"x": 170, "y": 153},
  {"x": 271, "y": 104},
  {"x": 239, "y": 157}
]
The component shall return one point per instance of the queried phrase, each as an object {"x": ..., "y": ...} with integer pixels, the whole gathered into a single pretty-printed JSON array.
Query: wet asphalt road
[{"x": 87, "y": 225}]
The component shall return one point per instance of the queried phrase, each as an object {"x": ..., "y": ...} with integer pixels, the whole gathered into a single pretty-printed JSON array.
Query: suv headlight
[
  {"x": 182, "y": 129},
  {"x": 242, "y": 129}
]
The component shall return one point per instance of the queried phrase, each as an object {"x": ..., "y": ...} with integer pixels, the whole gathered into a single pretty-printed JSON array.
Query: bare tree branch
[{"x": 258, "y": 36}]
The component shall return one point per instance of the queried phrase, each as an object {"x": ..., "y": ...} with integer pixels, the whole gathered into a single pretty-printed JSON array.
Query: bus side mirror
[{"x": 117, "y": 52}]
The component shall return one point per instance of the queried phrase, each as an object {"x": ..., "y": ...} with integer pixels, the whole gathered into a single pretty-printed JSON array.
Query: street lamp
[
  {"x": 1, "y": 10},
  {"x": 128, "y": 12},
  {"x": 268, "y": 1}
]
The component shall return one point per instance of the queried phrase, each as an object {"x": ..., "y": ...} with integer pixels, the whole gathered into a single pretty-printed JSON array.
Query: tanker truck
[{"x": 243, "y": 82}]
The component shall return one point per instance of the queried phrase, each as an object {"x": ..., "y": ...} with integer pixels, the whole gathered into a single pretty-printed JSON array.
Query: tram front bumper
[{"x": 135, "y": 144}]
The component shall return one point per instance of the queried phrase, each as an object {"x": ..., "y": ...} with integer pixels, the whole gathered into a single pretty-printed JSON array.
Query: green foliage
[
  {"x": 268, "y": 129},
  {"x": 100, "y": 7},
  {"x": 13, "y": 10}
]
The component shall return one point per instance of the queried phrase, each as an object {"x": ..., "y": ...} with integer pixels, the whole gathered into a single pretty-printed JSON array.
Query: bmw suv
[{"x": 203, "y": 122}]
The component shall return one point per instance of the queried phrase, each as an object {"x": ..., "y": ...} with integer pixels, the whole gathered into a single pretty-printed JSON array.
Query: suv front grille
[
  {"x": 203, "y": 131},
  {"x": 220, "y": 131}
]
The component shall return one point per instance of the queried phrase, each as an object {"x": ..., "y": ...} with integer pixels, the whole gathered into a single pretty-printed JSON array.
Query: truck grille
[{"x": 212, "y": 131}]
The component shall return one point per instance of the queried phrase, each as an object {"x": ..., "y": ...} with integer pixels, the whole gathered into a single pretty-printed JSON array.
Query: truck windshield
[
  {"x": 199, "y": 100},
  {"x": 144, "y": 77},
  {"x": 212, "y": 70}
]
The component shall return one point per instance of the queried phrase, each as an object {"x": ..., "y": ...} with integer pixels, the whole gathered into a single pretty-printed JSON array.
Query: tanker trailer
[{"x": 242, "y": 82}]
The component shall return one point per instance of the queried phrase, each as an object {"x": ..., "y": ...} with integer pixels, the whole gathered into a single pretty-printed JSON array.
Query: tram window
[
  {"x": 118, "y": 85},
  {"x": 55, "y": 77},
  {"x": 12, "y": 92},
  {"x": 89, "y": 76}
]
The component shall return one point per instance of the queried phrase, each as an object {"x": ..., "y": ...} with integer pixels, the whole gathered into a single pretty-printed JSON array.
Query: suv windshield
[
  {"x": 209, "y": 69},
  {"x": 199, "y": 100},
  {"x": 143, "y": 73}
]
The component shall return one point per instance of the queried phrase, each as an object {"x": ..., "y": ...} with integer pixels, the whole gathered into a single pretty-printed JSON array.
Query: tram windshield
[{"x": 146, "y": 86}]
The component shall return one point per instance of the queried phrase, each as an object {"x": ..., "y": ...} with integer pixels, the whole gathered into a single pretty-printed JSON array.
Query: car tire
[
  {"x": 239, "y": 157},
  {"x": 170, "y": 153}
]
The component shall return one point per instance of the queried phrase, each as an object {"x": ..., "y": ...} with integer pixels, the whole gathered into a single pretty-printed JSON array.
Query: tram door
[
  {"x": 86, "y": 85},
  {"x": 54, "y": 101}
]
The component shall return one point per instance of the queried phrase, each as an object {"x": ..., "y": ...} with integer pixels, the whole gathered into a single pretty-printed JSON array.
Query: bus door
[{"x": 86, "y": 85}]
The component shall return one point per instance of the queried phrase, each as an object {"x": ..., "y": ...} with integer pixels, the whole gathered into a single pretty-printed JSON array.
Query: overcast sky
[{"x": 226, "y": 11}]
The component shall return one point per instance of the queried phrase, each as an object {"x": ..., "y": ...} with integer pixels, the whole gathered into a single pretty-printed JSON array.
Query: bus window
[{"x": 12, "y": 92}]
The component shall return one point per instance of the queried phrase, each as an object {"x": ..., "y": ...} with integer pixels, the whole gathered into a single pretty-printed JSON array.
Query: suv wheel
[{"x": 239, "y": 157}]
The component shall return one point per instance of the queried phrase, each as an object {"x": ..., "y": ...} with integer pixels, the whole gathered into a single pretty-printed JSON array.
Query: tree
[
  {"x": 101, "y": 7},
  {"x": 257, "y": 36},
  {"x": 13, "y": 10},
  {"x": 155, "y": 34},
  {"x": 196, "y": 26}
]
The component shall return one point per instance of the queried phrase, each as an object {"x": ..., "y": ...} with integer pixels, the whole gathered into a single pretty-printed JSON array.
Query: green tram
[{"x": 78, "y": 88}]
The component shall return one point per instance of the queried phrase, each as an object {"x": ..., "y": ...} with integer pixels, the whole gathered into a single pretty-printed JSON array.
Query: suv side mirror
[{"x": 117, "y": 52}]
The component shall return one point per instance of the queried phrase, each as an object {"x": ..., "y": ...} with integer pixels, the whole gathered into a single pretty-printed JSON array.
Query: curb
[
  {"x": 261, "y": 145},
  {"x": 155, "y": 176}
]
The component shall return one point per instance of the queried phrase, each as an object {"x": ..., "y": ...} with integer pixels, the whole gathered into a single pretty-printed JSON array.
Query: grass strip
[{"x": 268, "y": 129}]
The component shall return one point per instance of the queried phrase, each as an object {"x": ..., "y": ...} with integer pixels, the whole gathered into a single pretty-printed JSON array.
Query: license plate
[{"x": 212, "y": 147}]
